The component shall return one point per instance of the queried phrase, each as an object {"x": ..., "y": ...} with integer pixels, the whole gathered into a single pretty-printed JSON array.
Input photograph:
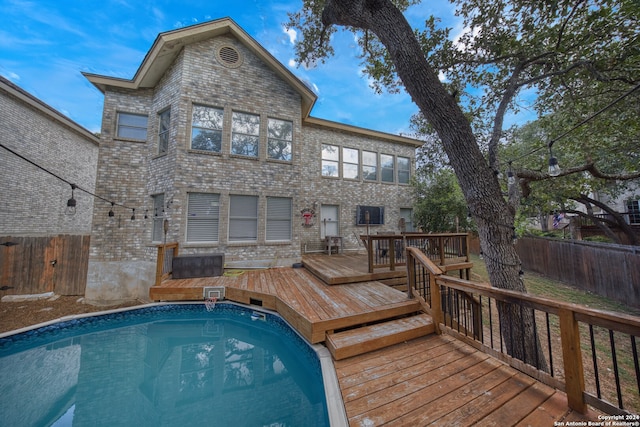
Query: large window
[
  {"x": 206, "y": 128},
  {"x": 245, "y": 134},
  {"x": 330, "y": 160},
  {"x": 278, "y": 218},
  {"x": 158, "y": 218},
  {"x": 350, "y": 163},
  {"x": 370, "y": 165},
  {"x": 132, "y": 126},
  {"x": 386, "y": 162},
  {"x": 163, "y": 131},
  {"x": 203, "y": 217},
  {"x": 243, "y": 218},
  {"x": 404, "y": 170},
  {"x": 280, "y": 139}
]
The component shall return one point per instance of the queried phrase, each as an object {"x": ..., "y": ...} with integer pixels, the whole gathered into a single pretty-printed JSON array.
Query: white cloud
[
  {"x": 291, "y": 33},
  {"x": 9, "y": 75}
]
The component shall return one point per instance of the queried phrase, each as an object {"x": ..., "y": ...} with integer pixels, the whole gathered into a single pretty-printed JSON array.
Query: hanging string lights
[
  {"x": 72, "y": 203},
  {"x": 554, "y": 168}
]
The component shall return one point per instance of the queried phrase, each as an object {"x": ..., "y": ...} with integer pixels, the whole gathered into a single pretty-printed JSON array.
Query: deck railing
[
  {"x": 164, "y": 261},
  {"x": 387, "y": 250},
  {"x": 590, "y": 354}
]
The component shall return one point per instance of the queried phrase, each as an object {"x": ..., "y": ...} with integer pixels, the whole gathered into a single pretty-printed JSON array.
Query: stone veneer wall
[{"x": 34, "y": 202}]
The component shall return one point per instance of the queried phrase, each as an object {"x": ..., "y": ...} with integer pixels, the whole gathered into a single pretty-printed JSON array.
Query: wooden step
[{"x": 362, "y": 340}]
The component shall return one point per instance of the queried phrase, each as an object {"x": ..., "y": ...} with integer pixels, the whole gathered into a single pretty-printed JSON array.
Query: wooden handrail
[{"x": 569, "y": 315}]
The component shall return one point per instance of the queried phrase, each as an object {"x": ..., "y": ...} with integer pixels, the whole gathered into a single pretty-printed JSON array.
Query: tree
[
  {"x": 500, "y": 53},
  {"x": 543, "y": 196},
  {"x": 440, "y": 206}
]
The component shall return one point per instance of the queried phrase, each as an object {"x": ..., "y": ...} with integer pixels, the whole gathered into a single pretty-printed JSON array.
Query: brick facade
[
  {"x": 131, "y": 172},
  {"x": 34, "y": 201}
]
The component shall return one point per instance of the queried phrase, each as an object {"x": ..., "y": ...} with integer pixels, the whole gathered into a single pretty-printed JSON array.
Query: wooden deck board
[{"x": 437, "y": 380}]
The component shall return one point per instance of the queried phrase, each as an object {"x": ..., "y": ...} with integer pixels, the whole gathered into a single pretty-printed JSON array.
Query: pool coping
[{"x": 333, "y": 395}]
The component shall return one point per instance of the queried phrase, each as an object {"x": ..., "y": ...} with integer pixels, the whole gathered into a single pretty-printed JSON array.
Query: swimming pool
[{"x": 164, "y": 365}]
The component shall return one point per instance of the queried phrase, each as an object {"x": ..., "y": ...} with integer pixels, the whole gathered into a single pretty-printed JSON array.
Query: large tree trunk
[{"x": 477, "y": 180}]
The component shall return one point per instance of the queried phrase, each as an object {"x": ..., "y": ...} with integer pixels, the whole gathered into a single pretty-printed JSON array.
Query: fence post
[{"x": 572, "y": 360}]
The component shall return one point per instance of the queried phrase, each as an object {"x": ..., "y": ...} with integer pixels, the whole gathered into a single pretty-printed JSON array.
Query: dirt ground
[{"x": 16, "y": 315}]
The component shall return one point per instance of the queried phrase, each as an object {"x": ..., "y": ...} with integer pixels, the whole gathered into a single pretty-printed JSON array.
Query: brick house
[
  {"x": 213, "y": 145},
  {"x": 34, "y": 201}
]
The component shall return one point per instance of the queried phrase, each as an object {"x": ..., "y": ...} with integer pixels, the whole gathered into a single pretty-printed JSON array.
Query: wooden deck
[
  {"x": 438, "y": 380},
  {"x": 348, "y": 268},
  {"x": 307, "y": 303},
  {"x": 431, "y": 380}
]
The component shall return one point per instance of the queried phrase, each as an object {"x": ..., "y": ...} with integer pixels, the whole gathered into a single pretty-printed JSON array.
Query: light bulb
[{"x": 554, "y": 168}]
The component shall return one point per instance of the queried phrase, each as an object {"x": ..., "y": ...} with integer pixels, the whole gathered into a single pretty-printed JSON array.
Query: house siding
[{"x": 131, "y": 173}]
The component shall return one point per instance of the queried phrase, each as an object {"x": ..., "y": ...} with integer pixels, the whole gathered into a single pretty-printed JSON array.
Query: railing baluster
[
  {"x": 549, "y": 344},
  {"x": 595, "y": 361},
  {"x": 616, "y": 372},
  {"x": 636, "y": 363}
]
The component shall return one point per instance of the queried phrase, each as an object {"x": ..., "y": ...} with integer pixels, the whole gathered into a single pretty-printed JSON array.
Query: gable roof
[{"x": 168, "y": 45}]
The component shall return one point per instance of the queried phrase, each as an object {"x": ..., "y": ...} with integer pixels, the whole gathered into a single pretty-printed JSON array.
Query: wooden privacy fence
[
  {"x": 35, "y": 265},
  {"x": 592, "y": 355},
  {"x": 612, "y": 271}
]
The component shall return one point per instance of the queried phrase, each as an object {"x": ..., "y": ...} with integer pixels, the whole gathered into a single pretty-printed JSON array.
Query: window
[
  {"x": 163, "y": 131},
  {"x": 350, "y": 163},
  {"x": 158, "y": 218},
  {"x": 243, "y": 218},
  {"x": 280, "y": 139},
  {"x": 330, "y": 160},
  {"x": 203, "y": 217},
  {"x": 278, "y": 218},
  {"x": 132, "y": 126},
  {"x": 386, "y": 162},
  {"x": 206, "y": 128},
  {"x": 404, "y": 170},
  {"x": 372, "y": 215},
  {"x": 370, "y": 165},
  {"x": 633, "y": 207},
  {"x": 407, "y": 215},
  {"x": 245, "y": 134}
]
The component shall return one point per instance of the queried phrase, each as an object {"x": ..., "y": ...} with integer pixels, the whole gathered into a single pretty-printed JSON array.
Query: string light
[
  {"x": 71, "y": 207},
  {"x": 554, "y": 168},
  {"x": 71, "y": 203}
]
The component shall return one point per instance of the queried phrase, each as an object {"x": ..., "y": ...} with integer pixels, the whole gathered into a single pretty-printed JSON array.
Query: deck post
[
  {"x": 436, "y": 303},
  {"x": 572, "y": 358}
]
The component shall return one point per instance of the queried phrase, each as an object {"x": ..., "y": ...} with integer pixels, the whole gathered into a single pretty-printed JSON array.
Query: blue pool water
[{"x": 168, "y": 365}]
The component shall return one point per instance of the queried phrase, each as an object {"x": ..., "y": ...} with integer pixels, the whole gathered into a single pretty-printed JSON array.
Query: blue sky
[{"x": 46, "y": 44}]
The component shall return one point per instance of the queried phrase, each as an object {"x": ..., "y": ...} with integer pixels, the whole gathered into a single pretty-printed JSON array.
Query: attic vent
[{"x": 229, "y": 57}]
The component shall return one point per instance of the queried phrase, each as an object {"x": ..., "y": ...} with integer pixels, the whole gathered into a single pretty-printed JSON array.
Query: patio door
[{"x": 329, "y": 224}]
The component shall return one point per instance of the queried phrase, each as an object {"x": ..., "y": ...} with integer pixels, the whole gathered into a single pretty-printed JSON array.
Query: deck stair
[{"x": 367, "y": 338}]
